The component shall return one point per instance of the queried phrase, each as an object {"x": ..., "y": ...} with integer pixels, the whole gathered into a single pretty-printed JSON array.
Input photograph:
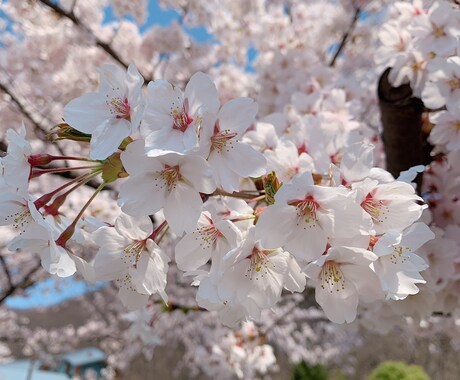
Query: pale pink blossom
[
  {"x": 443, "y": 84},
  {"x": 129, "y": 256},
  {"x": 343, "y": 277},
  {"x": 392, "y": 206},
  {"x": 173, "y": 118},
  {"x": 310, "y": 215},
  {"x": 174, "y": 182},
  {"x": 111, "y": 114},
  {"x": 230, "y": 158},
  {"x": 398, "y": 266}
]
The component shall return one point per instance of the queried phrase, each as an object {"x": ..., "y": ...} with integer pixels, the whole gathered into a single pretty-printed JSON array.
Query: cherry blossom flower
[
  {"x": 310, "y": 215},
  {"x": 54, "y": 258},
  {"x": 262, "y": 137},
  {"x": 410, "y": 68},
  {"x": 230, "y": 311},
  {"x": 392, "y": 206},
  {"x": 398, "y": 266},
  {"x": 252, "y": 271},
  {"x": 287, "y": 162},
  {"x": 128, "y": 255},
  {"x": 358, "y": 163},
  {"x": 233, "y": 209},
  {"x": 34, "y": 233},
  {"x": 395, "y": 41},
  {"x": 211, "y": 239},
  {"x": 174, "y": 182},
  {"x": 446, "y": 128},
  {"x": 436, "y": 31},
  {"x": 111, "y": 114},
  {"x": 443, "y": 84},
  {"x": 172, "y": 119},
  {"x": 442, "y": 254},
  {"x": 343, "y": 276},
  {"x": 251, "y": 279},
  {"x": 21, "y": 213},
  {"x": 219, "y": 142},
  {"x": 16, "y": 167}
]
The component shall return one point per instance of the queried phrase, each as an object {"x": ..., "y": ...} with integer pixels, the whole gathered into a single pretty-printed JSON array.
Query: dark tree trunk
[{"x": 401, "y": 115}]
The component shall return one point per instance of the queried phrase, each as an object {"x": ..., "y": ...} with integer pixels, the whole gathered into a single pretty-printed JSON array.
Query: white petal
[
  {"x": 244, "y": 160},
  {"x": 87, "y": 112},
  {"x": 107, "y": 137},
  {"x": 197, "y": 171},
  {"x": 201, "y": 92},
  {"x": 135, "y": 161},
  {"x": 295, "y": 280},
  {"x": 131, "y": 299},
  {"x": 133, "y": 199},
  {"x": 339, "y": 306},
  {"x": 270, "y": 231},
  {"x": 237, "y": 115},
  {"x": 137, "y": 228},
  {"x": 182, "y": 208},
  {"x": 365, "y": 280},
  {"x": 150, "y": 271},
  {"x": 192, "y": 252}
]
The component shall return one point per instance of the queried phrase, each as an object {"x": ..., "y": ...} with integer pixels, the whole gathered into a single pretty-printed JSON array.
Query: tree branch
[
  {"x": 345, "y": 37},
  {"x": 37, "y": 125},
  {"x": 23, "y": 284},
  {"x": 6, "y": 270},
  {"x": 70, "y": 15}
]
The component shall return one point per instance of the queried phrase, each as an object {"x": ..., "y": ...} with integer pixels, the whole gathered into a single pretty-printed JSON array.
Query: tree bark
[{"x": 401, "y": 115}]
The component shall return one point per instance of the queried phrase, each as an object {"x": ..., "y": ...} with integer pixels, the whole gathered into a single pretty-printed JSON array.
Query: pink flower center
[
  {"x": 133, "y": 252},
  {"x": 454, "y": 84},
  {"x": 209, "y": 235},
  {"x": 181, "y": 117},
  {"x": 438, "y": 31},
  {"x": 258, "y": 263},
  {"x": 331, "y": 277},
  {"x": 119, "y": 108},
  {"x": 398, "y": 255},
  {"x": 221, "y": 140},
  {"x": 171, "y": 175},
  {"x": 306, "y": 208},
  {"x": 376, "y": 208}
]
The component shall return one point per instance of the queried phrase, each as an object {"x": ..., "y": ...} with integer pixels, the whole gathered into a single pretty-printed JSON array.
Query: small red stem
[
  {"x": 44, "y": 199},
  {"x": 158, "y": 230},
  {"x": 38, "y": 172}
]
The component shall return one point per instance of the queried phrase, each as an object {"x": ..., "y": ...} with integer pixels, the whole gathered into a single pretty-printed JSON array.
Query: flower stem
[
  {"x": 158, "y": 230},
  {"x": 38, "y": 172},
  {"x": 162, "y": 235},
  {"x": 69, "y": 231},
  {"x": 238, "y": 194},
  {"x": 44, "y": 199}
]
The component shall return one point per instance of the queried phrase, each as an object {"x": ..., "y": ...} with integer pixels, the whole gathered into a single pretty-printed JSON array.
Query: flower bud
[
  {"x": 40, "y": 159},
  {"x": 64, "y": 131},
  {"x": 113, "y": 169},
  {"x": 271, "y": 186}
]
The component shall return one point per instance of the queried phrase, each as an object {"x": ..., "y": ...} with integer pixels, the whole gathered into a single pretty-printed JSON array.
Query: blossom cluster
[
  {"x": 213, "y": 173},
  {"x": 421, "y": 46}
]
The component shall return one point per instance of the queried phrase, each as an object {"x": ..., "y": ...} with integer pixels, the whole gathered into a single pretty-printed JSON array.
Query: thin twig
[
  {"x": 37, "y": 126},
  {"x": 70, "y": 15},
  {"x": 6, "y": 270},
  {"x": 23, "y": 284},
  {"x": 345, "y": 37}
]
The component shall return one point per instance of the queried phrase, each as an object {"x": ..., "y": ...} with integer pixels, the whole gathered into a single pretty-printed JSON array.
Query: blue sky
[
  {"x": 163, "y": 17},
  {"x": 51, "y": 291}
]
